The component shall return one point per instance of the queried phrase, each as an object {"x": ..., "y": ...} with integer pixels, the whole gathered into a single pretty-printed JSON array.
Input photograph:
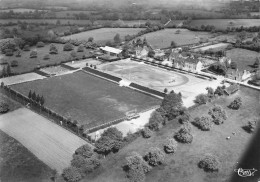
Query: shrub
[
  {"x": 209, "y": 163},
  {"x": 81, "y": 48},
  {"x": 18, "y": 54},
  {"x": 40, "y": 44},
  {"x": 236, "y": 104},
  {"x": 9, "y": 52},
  {"x": 156, "y": 121},
  {"x": 85, "y": 151},
  {"x": 33, "y": 54},
  {"x": 4, "y": 107},
  {"x": 204, "y": 123},
  {"x": 154, "y": 156},
  {"x": 218, "y": 114},
  {"x": 136, "y": 167},
  {"x": 71, "y": 174},
  {"x": 53, "y": 49},
  {"x": 14, "y": 63},
  {"x": 184, "y": 118},
  {"x": 220, "y": 90},
  {"x": 170, "y": 145},
  {"x": 184, "y": 135},
  {"x": 146, "y": 132},
  {"x": 73, "y": 54},
  {"x": 233, "y": 65},
  {"x": 26, "y": 48},
  {"x": 68, "y": 47},
  {"x": 46, "y": 57},
  {"x": 251, "y": 126},
  {"x": 201, "y": 99}
]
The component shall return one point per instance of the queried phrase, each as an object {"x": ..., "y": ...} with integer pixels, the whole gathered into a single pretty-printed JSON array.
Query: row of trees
[{"x": 36, "y": 97}]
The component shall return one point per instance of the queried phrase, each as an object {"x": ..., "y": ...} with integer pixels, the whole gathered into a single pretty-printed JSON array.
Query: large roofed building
[{"x": 111, "y": 50}]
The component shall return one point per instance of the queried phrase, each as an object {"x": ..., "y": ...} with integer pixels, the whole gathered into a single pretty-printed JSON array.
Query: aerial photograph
[{"x": 129, "y": 90}]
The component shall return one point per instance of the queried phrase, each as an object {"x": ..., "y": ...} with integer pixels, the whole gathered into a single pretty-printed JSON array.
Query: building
[
  {"x": 111, "y": 51},
  {"x": 141, "y": 51}
]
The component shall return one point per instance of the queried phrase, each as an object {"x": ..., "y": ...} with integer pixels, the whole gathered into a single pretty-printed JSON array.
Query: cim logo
[{"x": 245, "y": 172}]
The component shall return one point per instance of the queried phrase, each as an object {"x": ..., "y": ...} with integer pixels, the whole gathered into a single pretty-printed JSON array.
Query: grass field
[
  {"x": 104, "y": 34},
  {"x": 159, "y": 79},
  {"x": 21, "y": 78},
  {"x": 82, "y": 63},
  {"x": 163, "y": 38},
  {"x": 182, "y": 166},
  {"x": 19, "y": 10},
  {"x": 12, "y": 104},
  {"x": 224, "y": 23},
  {"x": 25, "y": 63},
  {"x": 19, "y": 164},
  {"x": 88, "y": 99},
  {"x": 47, "y": 141},
  {"x": 214, "y": 47},
  {"x": 244, "y": 58}
]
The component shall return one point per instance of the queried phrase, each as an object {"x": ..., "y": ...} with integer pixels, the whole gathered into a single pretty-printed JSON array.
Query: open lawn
[
  {"x": 20, "y": 10},
  {"x": 82, "y": 63},
  {"x": 19, "y": 164},
  {"x": 214, "y": 47},
  {"x": 21, "y": 78},
  {"x": 182, "y": 166},
  {"x": 104, "y": 34},
  {"x": 159, "y": 79},
  {"x": 88, "y": 99},
  {"x": 163, "y": 38},
  {"x": 25, "y": 63},
  {"x": 12, "y": 104},
  {"x": 245, "y": 59},
  {"x": 224, "y": 23},
  {"x": 47, "y": 141}
]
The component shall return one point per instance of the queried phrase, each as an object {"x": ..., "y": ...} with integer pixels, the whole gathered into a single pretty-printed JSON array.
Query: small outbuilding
[{"x": 232, "y": 89}]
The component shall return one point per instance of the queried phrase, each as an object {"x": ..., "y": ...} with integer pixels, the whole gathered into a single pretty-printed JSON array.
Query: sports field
[
  {"x": 159, "y": 79},
  {"x": 21, "y": 78},
  {"x": 82, "y": 63},
  {"x": 104, "y": 34},
  {"x": 163, "y": 38},
  {"x": 49, "y": 142},
  {"x": 88, "y": 99}
]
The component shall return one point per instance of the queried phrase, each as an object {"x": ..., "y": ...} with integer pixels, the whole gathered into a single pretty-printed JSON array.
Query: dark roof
[{"x": 232, "y": 89}]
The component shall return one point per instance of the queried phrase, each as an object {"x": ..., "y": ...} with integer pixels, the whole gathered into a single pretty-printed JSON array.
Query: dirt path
[{"x": 46, "y": 140}]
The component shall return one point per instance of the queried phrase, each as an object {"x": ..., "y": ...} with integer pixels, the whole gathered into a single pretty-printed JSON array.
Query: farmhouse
[{"x": 111, "y": 51}]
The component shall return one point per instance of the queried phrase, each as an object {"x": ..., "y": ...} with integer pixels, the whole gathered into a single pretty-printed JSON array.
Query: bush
[
  {"x": 68, "y": 47},
  {"x": 184, "y": 135},
  {"x": 154, "y": 156},
  {"x": 40, "y": 44},
  {"x": 209, "y": 163},
  {"x": 136, "y": 167},
  {"x": 9, "y": 52},
  {"x": 73, "y": 54},
  {"x": 233, "y": 65},
  {"x": 4, "y": 107},
  {"x": 220, "y": 90},
  {"x": 46, "y": 57},
  {"x": 170, "y": 145},
  {"x": 14, "y": 63},
  {"x": 204, "y": 123},
  {"x": 184, "y": 117},
  {"x": 18, "y": 54},
  {"x": 156, "y": 121},
  {"x": 236, "y": 104},
  {"x": 146, "y": 132},
  {"x": 53, "y": 49},
  {"x": 201, "y": 99},
  {"x": 251, "y": 126},
  {"x": 71, "y": 174},
  {"x": 218, "y": 114},
  {"x": 33, "y": 54},
  {"x": 26, "y": 48}
]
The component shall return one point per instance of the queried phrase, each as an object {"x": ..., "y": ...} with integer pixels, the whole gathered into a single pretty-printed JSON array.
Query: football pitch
[{"x": 88, "y": 99}]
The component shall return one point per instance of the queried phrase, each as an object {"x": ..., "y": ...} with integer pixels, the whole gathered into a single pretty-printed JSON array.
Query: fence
[
  {"x": 44, "y": 111},
  {"x": 146, "y": 89}
]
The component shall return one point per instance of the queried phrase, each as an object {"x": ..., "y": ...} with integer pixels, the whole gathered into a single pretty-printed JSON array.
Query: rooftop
[{"x": 111, "y": 49}]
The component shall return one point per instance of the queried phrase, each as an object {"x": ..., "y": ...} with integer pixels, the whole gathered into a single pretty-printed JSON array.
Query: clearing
[
  {"x": 159, "y": 79},
  {"x": 182, "y": 166},
  {"x": 214, "y": 47},
  {"x": 19, "y": 164},
  {"x": 103, "y": 35},
  {"x": 82, "y": 63},
  {"x": 49, "y": 142},
  {"x": 162, "y": 39},
  {"x": 86, "y": 98}
]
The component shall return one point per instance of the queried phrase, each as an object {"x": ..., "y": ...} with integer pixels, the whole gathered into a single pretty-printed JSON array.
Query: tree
[
  {"x": 151, "y": 53},
  {"x": 147, "y": 133},
  {"x": 218, "y": 68},
  {"x": 71, "y": 174},
  {"x": 8, "y": 70},
  {"x": 251, "y": 126},
  {"x": 18, "y": 54},
  {"x": 156, "y": 121},
  {"x": 204, "y": 123},
  {"x": 233, "y": 65},
  {"x": 210, "y": 93},
  {"x": 236, "y": 104},
  {"x": 170, "y": 145},
  {"x": 220, "y": 90},
  {"x": 14, "y": 63},
  {"x": 257, "y": 63},
  {"x": 73, "y": 54},
  {"x": 33, "y": 96},
  {"x": 154, "y": 156},
  {"x": 117, "y": 39},
  {"x": 218, "y": 114},
  {"x": 136, "y": 167},
  {"x": 90, "y": 39},
  {"x": 184, "y": 135},
  {"x": 165, "y": 90},
  {"x": 68, "y": 47},
  {"x": 53, "y": 49},
  {"x": 30, "y": 94},
  {"x": 81, "y": 48},
  {"x": 26, "y": 48},
  {"x": 85, "y": 151},
  {"x": 201, "y": 99},
  {"x": 40, "y": 44},
  {"x": 33, "y": 54},
  {"x": 209, "y": 163},
  {"x": 173, "y": 44},
  {"x": 42, "y": 100},
  {"x": 38, "y": 98},
  {"x": 4, "y": 107}
]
